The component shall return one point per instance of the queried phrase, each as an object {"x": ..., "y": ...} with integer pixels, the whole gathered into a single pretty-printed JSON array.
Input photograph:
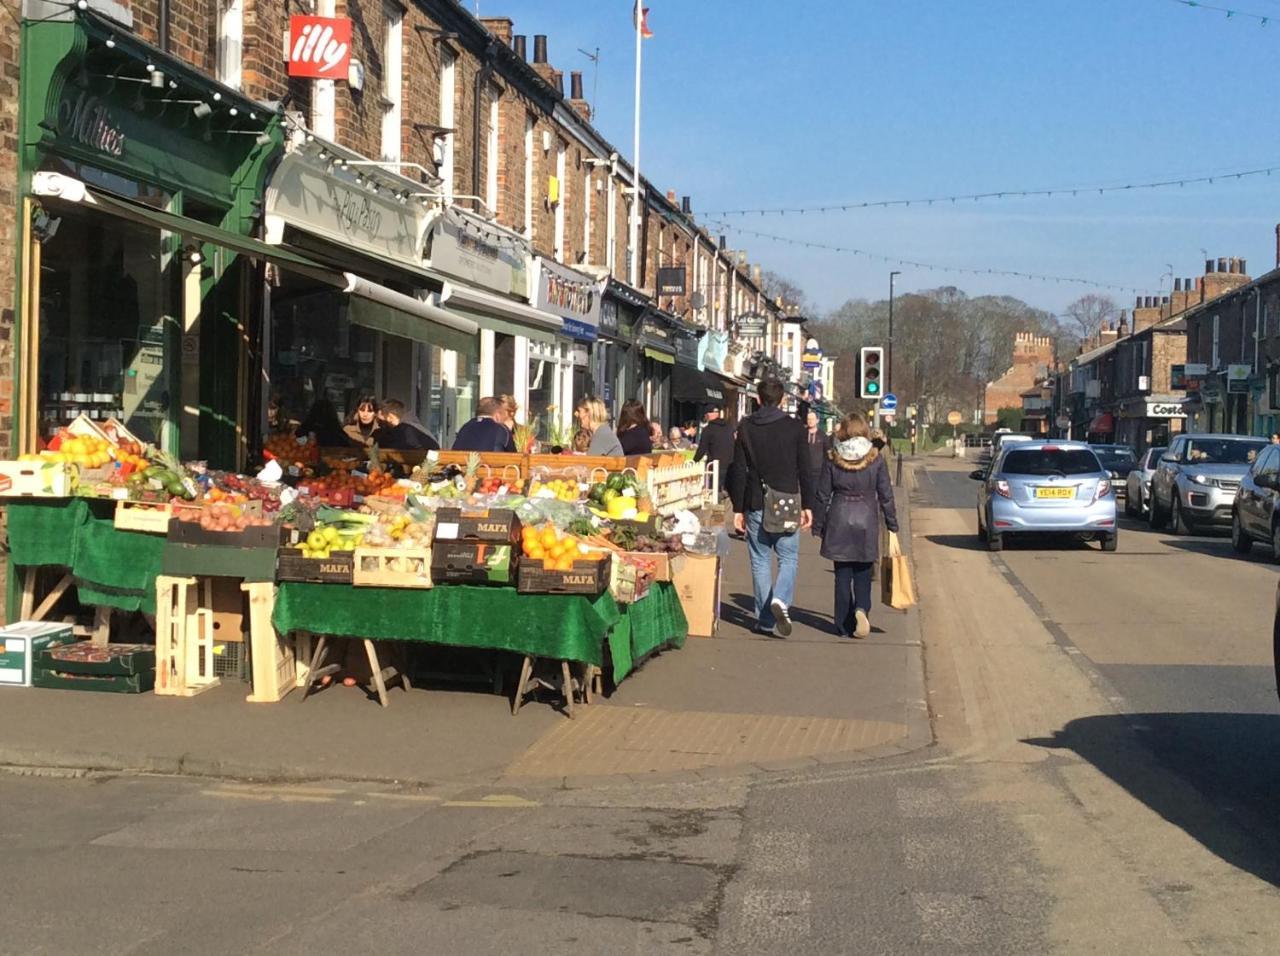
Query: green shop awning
[
  {"x": 421, "y": 320},
  {"x": 500, "y": 314},
  {"x": 660, "y": 356}
]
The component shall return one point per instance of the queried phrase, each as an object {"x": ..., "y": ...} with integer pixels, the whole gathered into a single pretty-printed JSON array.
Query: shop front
[
  {"x": 618, "y": 356},
  {"x": 139, "y": 177},
  {"x": 487, "y": 277},
  {"x": 575, "y": 300},
  {"x": 693, "y": 390},
  {"x": 382, "y": 334},
  {"x": 656, "y": 343},
  {"x": 1149, "y": 421}
]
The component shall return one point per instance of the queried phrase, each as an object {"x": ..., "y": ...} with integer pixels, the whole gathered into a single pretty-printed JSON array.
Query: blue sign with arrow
[{"x": 889, "y": 403}]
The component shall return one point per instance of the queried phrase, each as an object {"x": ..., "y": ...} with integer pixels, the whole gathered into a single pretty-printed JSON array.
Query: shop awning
[
  {"x": 1103, "y": 424},
  {"x": 507, "y": 316},
  {"x": 666, "y": 358},
  {"x": 690, "y": 385},
  {"x": 386, "y": 310}
]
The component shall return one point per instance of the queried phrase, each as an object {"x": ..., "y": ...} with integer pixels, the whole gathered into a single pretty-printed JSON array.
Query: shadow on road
[
  {"x": 1012, "y": 542},
  {"x": 1228, "y": 766},
  {"x": 739, "y": 610},
  {"x": 1221, "y": 549}
]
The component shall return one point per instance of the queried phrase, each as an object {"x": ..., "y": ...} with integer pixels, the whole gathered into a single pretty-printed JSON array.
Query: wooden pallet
[
  {"x": 184, "y": 637},
  {"x": 272, "y": 656}
]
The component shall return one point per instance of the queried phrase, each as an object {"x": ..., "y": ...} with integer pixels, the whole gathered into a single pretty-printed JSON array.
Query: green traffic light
[{"x": 873, "y": 387}]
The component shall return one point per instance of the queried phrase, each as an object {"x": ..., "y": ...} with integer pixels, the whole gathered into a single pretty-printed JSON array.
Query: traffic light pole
[{"x": 888, "y": 372}]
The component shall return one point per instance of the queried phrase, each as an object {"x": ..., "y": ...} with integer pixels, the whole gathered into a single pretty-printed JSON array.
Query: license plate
[{"x": 1055, "y": 492}]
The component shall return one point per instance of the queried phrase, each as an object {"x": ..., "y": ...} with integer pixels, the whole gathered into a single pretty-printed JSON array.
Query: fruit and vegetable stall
[{"x": 566, "y": 571}]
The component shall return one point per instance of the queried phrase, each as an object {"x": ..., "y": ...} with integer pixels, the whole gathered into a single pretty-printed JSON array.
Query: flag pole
[{"x": 633, "y": 273}]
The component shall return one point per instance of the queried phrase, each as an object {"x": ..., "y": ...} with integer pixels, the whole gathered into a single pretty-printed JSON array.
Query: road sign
[
  {"x": 1062, "y": 421},
  {"x": 889, "y": 404},
  {"x": 1238, "y": 378},
  {"x": 954, "y": 418}
]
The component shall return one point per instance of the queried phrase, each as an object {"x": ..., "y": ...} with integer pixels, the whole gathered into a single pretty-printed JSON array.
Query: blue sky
[{"x": 761, "y": 104}]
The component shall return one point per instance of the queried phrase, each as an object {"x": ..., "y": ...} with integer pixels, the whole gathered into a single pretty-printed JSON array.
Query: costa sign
[{"x": 319, "y": 47}]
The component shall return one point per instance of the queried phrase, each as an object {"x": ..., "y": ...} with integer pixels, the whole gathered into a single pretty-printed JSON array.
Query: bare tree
[
  {"x": 1087, "y": 313},
  {"x": 776, "y": 285}
]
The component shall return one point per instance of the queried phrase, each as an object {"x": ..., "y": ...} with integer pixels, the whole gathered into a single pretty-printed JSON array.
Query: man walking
[
  {"x": 816, "y": 447},
  {"x": 716, "y": 444},
  {"x": 771, "y": 454}
]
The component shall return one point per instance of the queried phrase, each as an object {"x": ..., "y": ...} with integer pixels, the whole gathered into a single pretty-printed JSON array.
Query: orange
[
  {"x": 548, "y": 536},
  {"x": 565, "y": 564},
  {"x": 548, "y": 564},
  {"x": 535, "y": 552}
]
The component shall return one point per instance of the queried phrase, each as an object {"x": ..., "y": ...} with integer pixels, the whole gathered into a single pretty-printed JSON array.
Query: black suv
[{"x": 1253, "y": 514}]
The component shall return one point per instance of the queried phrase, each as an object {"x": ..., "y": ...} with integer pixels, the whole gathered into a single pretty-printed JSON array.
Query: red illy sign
[{"x": 319, "y": 47}]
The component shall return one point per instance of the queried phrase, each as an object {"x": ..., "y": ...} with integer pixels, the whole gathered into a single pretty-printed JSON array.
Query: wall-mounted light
[
  {"x": 201, "y": 110},
  {"x": 157, "y": 80},
  {"x": 193, "y": 255}
]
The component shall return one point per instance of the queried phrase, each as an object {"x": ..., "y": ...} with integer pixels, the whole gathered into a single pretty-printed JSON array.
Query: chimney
[
  {"x": 1229, "y": 275},
  {"x": 1137, "y": 304},
  {"x": 500, "y": 27},
  {"x": 540, "y": 48},
  {"x": 1177, "y": 285},
  {"x": 686, "y": 205},
  {"x": 721, "y": 242},
  {"x": 756, "y": 275},
  {"x": 1122, "y": 326},
  {"x": 1208, "y": 266},
  {"x": 671, "y": 196},
  {"x": 550, "y": 75},
  {"x": 518, "y": 44},
  {"x": 576, "y": 101},
  {"x": 1222, "y": 263},
  {"x": 1241, "y": 263}
]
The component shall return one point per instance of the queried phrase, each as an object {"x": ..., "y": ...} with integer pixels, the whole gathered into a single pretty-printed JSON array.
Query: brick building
[{"x": 1032, "y": 359}]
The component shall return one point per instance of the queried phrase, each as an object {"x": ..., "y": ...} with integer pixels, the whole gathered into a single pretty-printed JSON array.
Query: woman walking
[{"x": 853, "y": 491}]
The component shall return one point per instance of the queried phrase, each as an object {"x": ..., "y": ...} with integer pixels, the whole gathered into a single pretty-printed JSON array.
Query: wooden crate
[
  {"x": 391, "y": 567},
  {"x": 38, "y": 479},
  {"x": 335, "y": 569},
  {"x": 677, "y": 487},
  {"x": 498, "y": 525},
  {"x": 147, "y": 516},
  {"x": 184, "y": 637},
  {"x": 272, "y": 656},
  {"x": 587, "y": 577}
]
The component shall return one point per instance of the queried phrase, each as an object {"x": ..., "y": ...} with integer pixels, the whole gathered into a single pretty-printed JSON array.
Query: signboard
[
  {"x": 303, "y": 193},
  {"x": 1164, "y": 410},
  {"x": 470, "y": 248},
  {"x": 671, "y": 280},
  {"x": 319, "y": 47},
  {"x": 1238, "y": 378},
  {"x": 1063, "y": 421},
  {"x": 889, "y": 403},
  {"x": 686, "y": 350},
  {"x": 566, "y": 293},
  {"x": 811, "y": 358},
  {"x": 1178, "y": 377},
  {"x": 1196, "y": 369},
  {"x": 579, "y": 330},
  {"x": 954, "y": 418},
  {"x": 752, "y": 324}
]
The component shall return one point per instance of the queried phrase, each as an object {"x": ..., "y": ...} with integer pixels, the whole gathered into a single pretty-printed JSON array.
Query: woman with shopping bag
[{"x": 853, "y": 491}]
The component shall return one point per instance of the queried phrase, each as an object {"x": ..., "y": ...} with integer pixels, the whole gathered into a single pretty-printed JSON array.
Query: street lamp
[{"x": 889, "y": 364}]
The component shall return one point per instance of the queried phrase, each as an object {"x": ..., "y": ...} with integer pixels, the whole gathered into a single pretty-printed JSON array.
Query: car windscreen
[
  {"x": 1222, "y": 451},
  {"x": 1154, "y": 458},
  {"x": 1115, "y": 456},
  {"x": 1049, "y": 460}
]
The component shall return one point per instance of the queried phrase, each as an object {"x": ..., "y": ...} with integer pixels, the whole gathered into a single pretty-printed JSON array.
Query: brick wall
[
  {"x": 8, "y": 220},
  {"x": 264, "y": 74},
  {"x": 1167, "y": 348}
]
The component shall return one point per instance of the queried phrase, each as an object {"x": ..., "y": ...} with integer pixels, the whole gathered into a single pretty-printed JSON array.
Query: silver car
[
  {"x": 1046, "y": 487},
  {"x": 1138, "y": 484},
  {"x": 1196, "y": 481}
]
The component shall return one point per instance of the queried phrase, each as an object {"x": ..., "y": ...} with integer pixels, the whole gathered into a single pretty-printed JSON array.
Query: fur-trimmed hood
[{"x": 864, "y": 462}]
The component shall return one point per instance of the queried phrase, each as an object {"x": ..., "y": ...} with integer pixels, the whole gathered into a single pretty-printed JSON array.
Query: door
[{"x": 1256, "y": 501}]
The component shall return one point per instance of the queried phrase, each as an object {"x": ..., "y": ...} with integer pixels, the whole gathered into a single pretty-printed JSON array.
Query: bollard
[{"x": 897, "y": 478}]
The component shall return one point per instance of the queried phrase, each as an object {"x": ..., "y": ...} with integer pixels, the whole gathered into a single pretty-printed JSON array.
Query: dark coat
[
  {"x": 484, "y": 434},
  {"x": 406, "y": 437},
  {"x": 817, "y": 453},
  {"x": 779, "y": 460},
  {"x": 716, "y": 444},
  {"x": 635, "y": 440},
  {"x": 850, "y": 501}
]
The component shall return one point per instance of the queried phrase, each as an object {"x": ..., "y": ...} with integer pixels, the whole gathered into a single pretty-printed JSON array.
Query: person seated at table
[
  {"x": 362, "y": 425},
  {"x": 323, "y": 426},
  {"x": 401, "y": 430},
  {"x": 581, "y": 441},
  {"x": 485, "y": 432},
  {"x": 633, "y": 429}
]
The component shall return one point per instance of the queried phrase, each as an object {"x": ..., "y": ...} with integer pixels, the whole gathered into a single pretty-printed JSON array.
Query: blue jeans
[{"x": 759, "y": 545}]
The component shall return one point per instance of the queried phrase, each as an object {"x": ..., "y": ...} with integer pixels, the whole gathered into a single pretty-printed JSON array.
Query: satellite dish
[{"x": 697, "y": 300}]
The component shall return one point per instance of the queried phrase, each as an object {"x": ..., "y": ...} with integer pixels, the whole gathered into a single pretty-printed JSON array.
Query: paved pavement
[{"x": 737, "y": 703}]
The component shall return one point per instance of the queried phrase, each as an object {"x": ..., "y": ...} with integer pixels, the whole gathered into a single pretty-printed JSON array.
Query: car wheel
[
  {"x": 1155, "y": 518},
  {"x": 1275, "y": 542},
  {"x": 1176, "y": 519},
  {"x": 1109, "y": 541},
  {"x": 1240, "y": 539},
  {"x": 995, "y": 542},
  {"x": 1129, "y": 510},
  {"x": 982, "y": 529}
]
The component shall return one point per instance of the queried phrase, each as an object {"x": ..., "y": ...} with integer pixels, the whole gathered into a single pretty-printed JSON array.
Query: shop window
[
  {"x": 107, "y": 288},
  {"x": 544, "y": 379}
]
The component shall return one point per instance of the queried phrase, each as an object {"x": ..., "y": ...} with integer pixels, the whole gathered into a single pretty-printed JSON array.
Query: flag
[{"x": 640, "y": 17}]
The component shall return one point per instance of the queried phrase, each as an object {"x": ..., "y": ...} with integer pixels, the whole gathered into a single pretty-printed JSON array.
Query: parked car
[
  {"x": 1196, "y": 481},
  {"x": 1046, "y": 486},
  {"x": 998, "y": 441},
  {"x": 1254, "y": 516},
  {"x": 1138, "y": 484},
  {"x": 1119, "y": 460}
]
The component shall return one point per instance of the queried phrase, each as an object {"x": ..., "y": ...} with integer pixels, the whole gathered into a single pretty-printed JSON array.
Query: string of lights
[
  {"x": 933, "y": 267},
  {"x": 1262, "y": 19},
  {"x": 1057, "y": 191}
]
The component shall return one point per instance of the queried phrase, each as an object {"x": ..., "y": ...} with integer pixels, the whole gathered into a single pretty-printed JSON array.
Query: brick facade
[{"x": 1032, "y": 357}]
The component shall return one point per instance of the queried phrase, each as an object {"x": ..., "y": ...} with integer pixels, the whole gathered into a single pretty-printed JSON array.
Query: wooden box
[
  {"x": 497, "y": 525},
  {"x": 260, "y": 536},
  {"x": 38, "y": 479},
  {"x": 146, "y": 516},
  {"x": 184, "y": 638},
  {"x": 587, "y": 577},
  {"x": 335, "y": 569},
  {"x": 392, "y": 567},
  {"x": 472, "y": 562},
  {"x": 697, "y": 581}
]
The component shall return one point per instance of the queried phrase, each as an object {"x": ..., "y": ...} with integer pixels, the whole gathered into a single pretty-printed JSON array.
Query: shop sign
[
  {"x": 578, "y": 355},
  {"x": 715, "y": 350},
  {"x": 671, "y": 280},
  {"x": 687, "y": 350},
  {"x": 566, "y": 293},
  {"x": 87, "y": 120},
  {"x": 469, "y": 248},
  {"x": 608, "y": 316},
  {"x": 304, "y": 194},
  {"x": 657, "y": 331},
  {"x": 579, "y": 330},
  {"x": 1238, "y": 378},
  {"x": 812, "y": 356},
  {"x": 1164, "y": 410},
  {"x": 752, "y": 324},
  {"x": 319, "y": 47}
]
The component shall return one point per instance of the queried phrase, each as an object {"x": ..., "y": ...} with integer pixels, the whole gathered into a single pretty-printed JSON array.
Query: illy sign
[{"x": 319, "y": 47}]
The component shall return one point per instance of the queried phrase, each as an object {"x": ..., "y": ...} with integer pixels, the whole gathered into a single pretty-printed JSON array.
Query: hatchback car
[
  {"x": 1046, "y": 487},
  {"x": 1119, "y": 460},
  {"x": 1138, "y": 484},
  {"x": 1196, "y": 481},
  {"x": 1255, "y": 516}
]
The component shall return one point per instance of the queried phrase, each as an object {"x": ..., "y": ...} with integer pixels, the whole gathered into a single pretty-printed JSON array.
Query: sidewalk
[{"x": 738, "y": 703}]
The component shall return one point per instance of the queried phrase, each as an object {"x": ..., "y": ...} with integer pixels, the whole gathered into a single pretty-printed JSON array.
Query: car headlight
[
  {"x": 1115, "y": 474},
  {"x": 1200, "y": 479}
]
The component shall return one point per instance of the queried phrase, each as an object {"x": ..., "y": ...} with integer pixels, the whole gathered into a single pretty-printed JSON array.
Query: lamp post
[{"x": 889, "y": 363}]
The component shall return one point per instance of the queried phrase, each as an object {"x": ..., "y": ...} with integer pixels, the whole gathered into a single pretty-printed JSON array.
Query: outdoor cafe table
[{"x": 566, "y": 628}]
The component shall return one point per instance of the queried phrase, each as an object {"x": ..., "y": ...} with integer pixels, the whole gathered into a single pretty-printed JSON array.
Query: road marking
[
  {"x": 238, "y": 795},
  {"x": 775, "y": 915},
  {"x": 499, "y": 801},
  {"x": 779, "y": 851},
  {"x": 406, "y": 797},
  {"x": 950, "y": 918}
]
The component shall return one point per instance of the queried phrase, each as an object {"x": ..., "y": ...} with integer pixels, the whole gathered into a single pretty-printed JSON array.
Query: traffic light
[{"x": 870, "y": 367}]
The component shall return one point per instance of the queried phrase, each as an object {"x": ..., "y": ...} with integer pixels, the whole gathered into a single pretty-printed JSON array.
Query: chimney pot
[
  {"x": 518, "y": 43},
  {"x": 575, "y": 85},
  {"x": 1164, "y": 300},
  {"x": 539, "y": 48},
  {"x": 1222, "y": 263},
  {"x": 671, "y": 196},
  {"x": 686, "y": 205},
  {"x": 1208, "y": 266},
  {"x": 723, "y": 245},
  {"x": 1137, "y": 304},
  {"x": 1241, "y": 263}
]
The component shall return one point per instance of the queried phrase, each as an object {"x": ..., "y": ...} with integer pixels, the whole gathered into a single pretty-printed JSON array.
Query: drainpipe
[
  {"x": 163, "y": 26},
  {"x": 483, "y": 76}
]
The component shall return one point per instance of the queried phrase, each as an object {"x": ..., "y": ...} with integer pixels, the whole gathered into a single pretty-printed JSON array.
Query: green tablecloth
[
  {"x": 563, "y": 627},
  {"x": 111, "y": 568},
  {"x": 653, "y": 621}
]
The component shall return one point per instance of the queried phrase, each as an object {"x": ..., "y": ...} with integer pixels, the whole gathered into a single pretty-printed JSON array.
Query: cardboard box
[
  {"x": 697, "y": 581},
  {"x": 499, "y": 525},
  {"x": 392, "y": 568},
  {"x": 226, "y": 600},
  {"x": 98, "y": 660},
  {"x": 335, "y": 569},
  {"x": 22, "y": 643},
  {"x": 472, "y": 562},
  {"x": 38, "y": 479},
  {"x": 118, "y": 684},
  {"x": 587, "y": 577}
]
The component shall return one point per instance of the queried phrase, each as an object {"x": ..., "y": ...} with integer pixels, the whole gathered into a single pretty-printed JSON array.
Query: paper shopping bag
[{"x": 897, "y": 590}]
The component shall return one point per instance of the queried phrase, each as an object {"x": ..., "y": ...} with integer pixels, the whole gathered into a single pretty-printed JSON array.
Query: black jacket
[
  {"x": 484, "y": 434},
  {"x": 406, "y": 437},
  {"x": 780, "y": 460},
  {"x": 635, "y": 440},
  {"x": 716, "y": 444},
  {"x": 816, "y": 453},
  {"x": 851, "y": 498}
]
